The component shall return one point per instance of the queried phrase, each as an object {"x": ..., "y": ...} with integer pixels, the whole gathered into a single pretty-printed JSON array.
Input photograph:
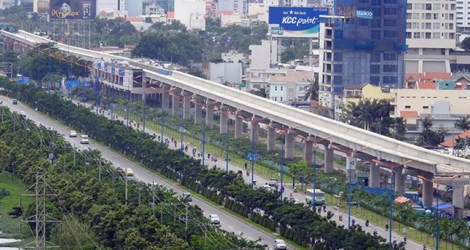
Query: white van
[{"x": 84, "y": 139}]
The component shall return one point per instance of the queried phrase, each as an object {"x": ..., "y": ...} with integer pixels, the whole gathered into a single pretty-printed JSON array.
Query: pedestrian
[
  {"x": 208, "y": 156},
  {"x": 246, "y": 165}
]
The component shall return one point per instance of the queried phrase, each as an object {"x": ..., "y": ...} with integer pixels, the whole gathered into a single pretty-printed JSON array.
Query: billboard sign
[
  {"x": 72, "y": 9},
  {"x": 364, "y": 14},
  {"x": 295, "y": 21}
]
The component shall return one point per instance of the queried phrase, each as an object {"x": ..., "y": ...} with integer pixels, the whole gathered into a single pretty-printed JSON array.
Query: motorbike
[
  {"x": 367, "y": 223},
  {"x": 324, "y": 208},
  {"x": 340, "y": 218},
  {"x": 375, "y": 232}
]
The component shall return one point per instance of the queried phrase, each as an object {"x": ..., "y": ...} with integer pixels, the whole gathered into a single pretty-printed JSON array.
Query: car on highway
[
  {"x": 15, "y": 101},
  {"x": 73, "y": 133},
  {"x": 187, "y": 197},
  {"x": 129, "y": 172},
  {"x": 279, "y": 244},
  {"x": 22, "y": 113},
  {"x": 214, "y": 219},
  {"x": 84, "y": 139}
]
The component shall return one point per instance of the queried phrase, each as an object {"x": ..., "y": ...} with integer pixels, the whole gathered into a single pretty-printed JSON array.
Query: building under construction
[
  {"x": 73, "y": 32},
  {"x": 362, "y": 41}
]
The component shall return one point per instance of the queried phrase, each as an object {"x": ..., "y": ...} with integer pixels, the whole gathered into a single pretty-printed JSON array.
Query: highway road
[{"x": 228, "y": 221}]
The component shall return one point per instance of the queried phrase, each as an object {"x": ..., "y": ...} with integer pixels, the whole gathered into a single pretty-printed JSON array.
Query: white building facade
[
  {"x": 191, "y": 13},
  {"x": 463, "y": 15},
  {"x": 225, "y": 72},
  {"x": 430, "y": 35}
]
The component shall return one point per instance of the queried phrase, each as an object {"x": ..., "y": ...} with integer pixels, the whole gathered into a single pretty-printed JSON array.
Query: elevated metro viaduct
[{"x": 185, "y": 89}]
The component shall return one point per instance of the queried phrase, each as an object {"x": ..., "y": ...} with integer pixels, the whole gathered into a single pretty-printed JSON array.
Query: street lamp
[
  {"x": 350, "y": 154},
  {"x": 437, "y": 202},
  {"x": 315, "y": 141},
  {"x": 392, "y": 166}
]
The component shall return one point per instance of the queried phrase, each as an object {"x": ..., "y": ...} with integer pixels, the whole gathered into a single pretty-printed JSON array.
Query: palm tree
[
  {"x": 367, "y": 113},
  {"x": 312, "y": 90},
  {"x": 463, "y": 123}
]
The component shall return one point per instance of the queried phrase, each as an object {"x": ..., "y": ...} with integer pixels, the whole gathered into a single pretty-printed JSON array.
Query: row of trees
[
  {"x": 94, "y": 210},
  {"x": 301, "y": 219}
]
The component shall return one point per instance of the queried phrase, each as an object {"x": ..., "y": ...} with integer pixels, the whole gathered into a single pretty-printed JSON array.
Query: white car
[
  {"x": 279, "y": 244},
  {"x": 22, "y": 113},
  {"x": 84, "y": 139},
  {"x": 73, "y": 133},
  {"x": 214, "y": 219}
]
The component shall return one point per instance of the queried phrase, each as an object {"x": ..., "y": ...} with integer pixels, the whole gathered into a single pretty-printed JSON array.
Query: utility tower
[{"x": 39, "y": 188}]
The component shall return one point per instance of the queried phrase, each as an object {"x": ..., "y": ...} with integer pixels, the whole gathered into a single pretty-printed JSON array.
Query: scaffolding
[{"x": 72, "y": 32}]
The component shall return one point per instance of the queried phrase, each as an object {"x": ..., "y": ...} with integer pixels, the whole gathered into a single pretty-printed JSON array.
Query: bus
[{"x": 319, "y": 197}]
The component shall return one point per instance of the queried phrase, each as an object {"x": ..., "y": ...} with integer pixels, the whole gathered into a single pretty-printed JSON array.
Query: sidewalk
[{"x": 260, "y": 181}]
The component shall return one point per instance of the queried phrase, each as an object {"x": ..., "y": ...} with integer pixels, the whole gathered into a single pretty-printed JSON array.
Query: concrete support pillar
[
  {"x": 197, "y": 114},
  {"x": 457, "y": 199},
  {"x": 374, "y": 175},
  {"x": 427, "y": 189},
  {"x": 223, "y": 121},
  {"x": 399, "y": 180},
  {"x": 289, "y": 147},
  {"x": 254, "y": 132},
  {"x": 271, "y": 142},
  {"x": 238, "y": 127},
  {"x": 308, "y": 155},
  {"x": 210, "y": 116},
  {"x": 187, "y": 108},
  {"x": 175, "y": 107},
  {"x": 166, "y": 100},
  {"x": 329, "y": 163}
]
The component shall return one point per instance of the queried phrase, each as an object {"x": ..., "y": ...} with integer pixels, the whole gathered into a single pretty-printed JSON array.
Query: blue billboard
[{"x": 295, "y": 21}]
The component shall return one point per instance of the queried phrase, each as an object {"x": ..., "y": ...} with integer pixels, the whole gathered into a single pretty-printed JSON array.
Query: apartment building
[{"x": 430, "y": 35}]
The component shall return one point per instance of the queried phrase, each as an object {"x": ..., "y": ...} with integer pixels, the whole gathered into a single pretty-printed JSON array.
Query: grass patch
[{"x": 10, "y": 227}]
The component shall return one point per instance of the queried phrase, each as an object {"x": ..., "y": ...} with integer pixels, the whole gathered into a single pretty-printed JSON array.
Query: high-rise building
[
  {"x": 430, "y": 35},
  {"x": 463, "y": 15},
  {"x": 364, "y": 41}
]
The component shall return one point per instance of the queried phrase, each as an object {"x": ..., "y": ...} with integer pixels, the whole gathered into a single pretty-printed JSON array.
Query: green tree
[
  {"x": 312, "y": 90},
  {"x": 464, "y": 122},
  {"x": 466, "y": 43}
]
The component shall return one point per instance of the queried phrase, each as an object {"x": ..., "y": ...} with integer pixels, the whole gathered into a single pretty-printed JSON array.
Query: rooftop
[
  {"x": 450, "y": 143},
  {"x": 293, "y": 76},
  {"x": 407, "y": 114}
]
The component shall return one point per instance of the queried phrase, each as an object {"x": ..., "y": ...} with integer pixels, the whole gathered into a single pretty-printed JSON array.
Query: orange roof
[
  {"x": 170, "y": 14},
  {"x": 409, "y": 114},
  {"x": 226, "y": 12},
  {"x": 463, "y": 85},
  {"x": 426, "y": 85},
  {"x": 416, "y": 76},
  {"x": 450, "y": 143},
  {"x": 102, "y": 12},
  {"x": 437, "y": 75},
  {"x": 134, "y": 19}
]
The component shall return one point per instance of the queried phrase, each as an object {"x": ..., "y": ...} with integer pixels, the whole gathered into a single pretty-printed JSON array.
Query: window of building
[
  {"x": 375, "y": 34},
  {"x": 291, "y": 89},
  {"x": 428, "y": 6},
  {"x": 390, "y": 56},
  {"x": 418, "y": 6},
  {"x": 451, "y": 36},
  {"x": 337, "y": 80},
  {"x": 377, "y": 12},
  {"x": 409, "y": 6},
  {"x": 338, "y": 68},
  {"x": 428, "y": 26},
  {"x": 376, "y": 23},
  {"x": 376, "y": 2},
  {"x": 425, "y": 107},
  {"x": 389, "y": 79},
  {"x": 451, "y": 26},
  {"x": 338, "y": 57},
  {"x": 282, "y": 88},
  {"x": 408, "y": 25},
  {"x": 390, "y": 33},
  {"x": 408, "y": 16},
  {"x": 363, "y": 22},
  {"x": 436, "y": 6},
  {"x": 416, "y": 35},
  {"x": 275, "y": 88},
  {"x": 408, "y": 35},
  {"x": 281, "y": 98},
  {"x": 451, "y": 16},
  {"x": 415, "y": 25},
  {"x": 428, "y": 16},
  {"x": 390, "y": 11},
  {"x": 435, "y": 16},
  {"x": 275, "y": 99},
  {"x": 338, "y": 34},
  {"x": 436, "y": 26},
  {"x": 436, "y": 35},
  {"x": 375, "y": 57},
  {"x": 390, "y": 22},
  {"x": 407, "y": 107},
  {"x": 427, "y": 35},
  {"x": 390, "y": 68},
  {"x": 375, "y": 80},
  {"x": 375, "y": 69}
]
